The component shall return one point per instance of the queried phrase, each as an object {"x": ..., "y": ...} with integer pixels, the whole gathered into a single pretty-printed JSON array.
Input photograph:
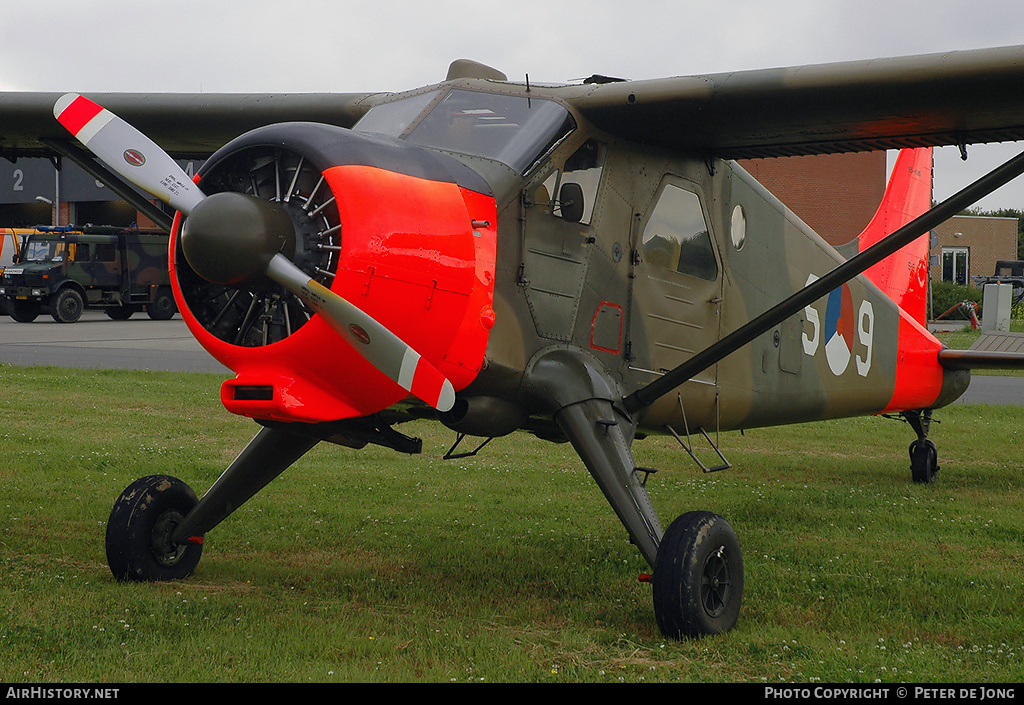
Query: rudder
[{"x": 903, "y": 276}]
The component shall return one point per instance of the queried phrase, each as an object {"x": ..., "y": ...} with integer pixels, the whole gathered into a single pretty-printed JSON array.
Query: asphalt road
[
  {"x": 994, "y": 390},
  {"x": 141, "y": 343},
  {"x": 97, "y": 342}
]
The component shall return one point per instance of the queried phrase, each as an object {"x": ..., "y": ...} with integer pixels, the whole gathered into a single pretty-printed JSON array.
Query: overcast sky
[{"x": 386, "y": 45}]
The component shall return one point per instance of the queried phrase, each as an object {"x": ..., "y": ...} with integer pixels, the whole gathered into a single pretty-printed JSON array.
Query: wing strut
[{"x": 998, "y": 177}]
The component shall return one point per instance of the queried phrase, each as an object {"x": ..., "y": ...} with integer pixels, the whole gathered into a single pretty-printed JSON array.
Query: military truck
[
  {"x": 65, "y": 270},
  {"x": 1008, "y": 271}
]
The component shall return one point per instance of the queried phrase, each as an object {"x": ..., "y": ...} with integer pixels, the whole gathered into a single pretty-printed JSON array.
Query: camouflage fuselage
[{"x": 672, "y": 254}]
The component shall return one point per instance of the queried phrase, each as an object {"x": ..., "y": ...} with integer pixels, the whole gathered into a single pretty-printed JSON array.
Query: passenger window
[
  {"x": 105, "y": 253},
  {"x": 676, "y": 236}
]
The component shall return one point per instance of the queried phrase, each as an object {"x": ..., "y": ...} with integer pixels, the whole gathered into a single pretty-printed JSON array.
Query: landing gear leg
[
  {"x": 924, "y": 458},
  {"x": 157, "y": 525},
  {"x": 698, "y": 569}
]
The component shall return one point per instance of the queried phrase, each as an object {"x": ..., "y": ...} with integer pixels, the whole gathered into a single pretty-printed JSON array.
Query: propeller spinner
[{"x": 232, "y": 238}]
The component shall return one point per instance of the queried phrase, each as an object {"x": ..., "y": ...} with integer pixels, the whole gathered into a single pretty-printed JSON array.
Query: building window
[{"x": 955, "y": 264}]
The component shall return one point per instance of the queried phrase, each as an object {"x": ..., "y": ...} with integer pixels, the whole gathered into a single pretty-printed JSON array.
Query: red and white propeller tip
[
  {"x": 218, "y": 220},
  {"x": 127, "y": 151},
  {"x": 388, "y": 353}
]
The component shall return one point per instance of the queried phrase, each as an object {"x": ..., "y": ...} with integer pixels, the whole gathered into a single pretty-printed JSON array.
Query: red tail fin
[{"x": 903, "y": 276}]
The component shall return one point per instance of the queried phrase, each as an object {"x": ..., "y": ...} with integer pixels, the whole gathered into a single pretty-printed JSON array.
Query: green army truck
[{"x": 63, "y": 271}]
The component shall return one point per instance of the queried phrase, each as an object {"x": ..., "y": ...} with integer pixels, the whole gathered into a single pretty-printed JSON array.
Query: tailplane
[{"x": 903, "y": 276}]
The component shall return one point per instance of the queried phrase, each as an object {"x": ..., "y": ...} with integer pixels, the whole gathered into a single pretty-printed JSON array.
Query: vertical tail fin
[{"x": 903, "y": 276}]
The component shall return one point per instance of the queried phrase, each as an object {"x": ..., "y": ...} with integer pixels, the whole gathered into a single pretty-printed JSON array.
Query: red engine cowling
[{"x": 405, "y": 234}]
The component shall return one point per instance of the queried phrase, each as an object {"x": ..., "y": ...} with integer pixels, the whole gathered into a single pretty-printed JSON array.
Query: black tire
[
  {"x": 698, "y": 577},
  {"x": 66, "y": 306},
  {"x": 138, "y": 542},
  {"x": 163, "y": 306},
  {"x": 120, "y": 313},
  {"x": 924, "y": 462},
  {"x": 24, "y": 311}
]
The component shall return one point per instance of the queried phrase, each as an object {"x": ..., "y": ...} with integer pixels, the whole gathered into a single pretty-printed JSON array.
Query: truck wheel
[
  {"x": 67, "y": 306},
  {"x": 120, "y": 313},
  {"x": 24, "y": 311},
  {"x": 163, "y": 307}
]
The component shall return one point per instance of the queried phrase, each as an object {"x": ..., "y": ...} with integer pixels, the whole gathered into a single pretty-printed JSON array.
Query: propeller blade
[
  {"x": 225, "y": 221},
  {"x": 127, "y": 151},
  {"x": 388, "y": 353}
]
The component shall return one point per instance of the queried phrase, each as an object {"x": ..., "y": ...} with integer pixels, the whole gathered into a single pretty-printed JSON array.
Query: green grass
[
  {"x": 965, "y": 337},
  {"x": 375, "y": 566}
]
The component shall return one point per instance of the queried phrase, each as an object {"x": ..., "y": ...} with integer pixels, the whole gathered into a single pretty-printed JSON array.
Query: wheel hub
[
  {"x": 715, "y": 583},
  {"x": 165, "y": 550}
]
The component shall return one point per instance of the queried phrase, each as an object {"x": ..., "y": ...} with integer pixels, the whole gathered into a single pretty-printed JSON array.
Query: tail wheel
[
  {"x": 924, "y": 461},
  {"x": 698, "y": 577},
  {"x": 139, "y": 544},
  {"x": 261, "y": 315}
]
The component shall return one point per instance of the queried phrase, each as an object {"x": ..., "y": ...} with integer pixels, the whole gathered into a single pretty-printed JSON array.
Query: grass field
[{"x": 374, "y": 566}]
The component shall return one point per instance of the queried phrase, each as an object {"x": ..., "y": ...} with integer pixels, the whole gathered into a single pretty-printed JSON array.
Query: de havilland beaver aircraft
[{"x": 582, "y": 262}]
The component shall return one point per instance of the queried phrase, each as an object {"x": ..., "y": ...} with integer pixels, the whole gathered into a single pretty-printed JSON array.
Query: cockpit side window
[
  {"x": 573, "y": 189},
  {"x": 676, "y": 236}
]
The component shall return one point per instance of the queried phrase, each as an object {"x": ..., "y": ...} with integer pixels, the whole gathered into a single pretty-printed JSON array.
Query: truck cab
[{"x": 64, "y": 271}]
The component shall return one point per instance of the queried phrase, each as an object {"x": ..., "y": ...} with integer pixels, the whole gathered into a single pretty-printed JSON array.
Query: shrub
[{"x": 945, "y": 295}]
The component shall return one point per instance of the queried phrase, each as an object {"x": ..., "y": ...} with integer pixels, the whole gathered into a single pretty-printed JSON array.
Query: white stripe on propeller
[
  {"x": 388, "y": 353},
  {"x": 127, "y": 151}
]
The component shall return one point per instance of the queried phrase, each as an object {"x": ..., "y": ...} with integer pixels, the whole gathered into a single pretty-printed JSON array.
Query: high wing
[
  {"x": 954, "y": 98},
  {"x": 184, "y": 124}
]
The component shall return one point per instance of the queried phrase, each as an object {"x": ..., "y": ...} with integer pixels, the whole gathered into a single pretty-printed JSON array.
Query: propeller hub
[{"x": 229, "y": 238}]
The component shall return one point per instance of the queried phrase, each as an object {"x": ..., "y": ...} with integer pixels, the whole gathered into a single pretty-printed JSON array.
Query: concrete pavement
[{"x": 97, "y": 342}]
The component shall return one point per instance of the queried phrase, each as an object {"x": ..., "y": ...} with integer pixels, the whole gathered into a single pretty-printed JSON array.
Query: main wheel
[
  {"x": 698, "y": 577},
  {"x": 139, "y": 545},
  {"x": 67, "y": 306},
  {"x": 924, "y": 461}
]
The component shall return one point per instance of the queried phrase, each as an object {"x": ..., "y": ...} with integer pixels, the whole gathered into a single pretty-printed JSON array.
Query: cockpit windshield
[{"x": 514, "y": 130}]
